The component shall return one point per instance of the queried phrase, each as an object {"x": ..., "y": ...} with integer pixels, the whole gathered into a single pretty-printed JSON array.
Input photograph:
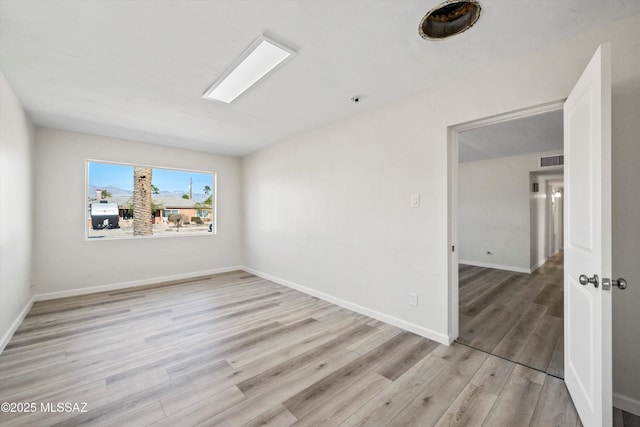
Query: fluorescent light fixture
[{"x": 260, "y": 58}]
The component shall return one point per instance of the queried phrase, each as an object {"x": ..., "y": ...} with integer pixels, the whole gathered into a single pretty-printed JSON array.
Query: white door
[{"x": 587, "y": 320}]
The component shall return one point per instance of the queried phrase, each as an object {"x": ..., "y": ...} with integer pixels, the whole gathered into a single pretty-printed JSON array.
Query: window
[
  {"x": 131, "y": 201},
  {"x": 203, "y": 213},
  {"x": 167, "y": 212}
]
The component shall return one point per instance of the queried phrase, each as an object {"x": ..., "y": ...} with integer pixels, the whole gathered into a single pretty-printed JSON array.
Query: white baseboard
[
  {"x": 626, "y": 403},
  {"x": 132, "y": 284},
  {"x": 538, "y": 265},
  {"x": 16, "y": 324},
  {"x": 403, "y": 324},
  {"x": 496, "y": 266}
]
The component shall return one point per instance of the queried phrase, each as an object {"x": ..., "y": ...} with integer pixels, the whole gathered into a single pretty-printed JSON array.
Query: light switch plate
[{"x": 413, "y": 298}]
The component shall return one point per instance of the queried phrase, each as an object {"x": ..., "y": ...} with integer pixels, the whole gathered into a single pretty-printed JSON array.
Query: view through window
[{"x": 128, "y": 201}]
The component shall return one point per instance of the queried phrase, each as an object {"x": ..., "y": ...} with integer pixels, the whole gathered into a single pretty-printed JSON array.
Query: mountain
[
  {"x": 115, "y": 191},
  {"x": 198, "y": 197}
]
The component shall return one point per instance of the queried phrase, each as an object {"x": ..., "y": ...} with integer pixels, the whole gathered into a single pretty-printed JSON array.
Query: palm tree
[
  {"x": 142, "y": 205},
  {"x": 105, "y": 194},
  {"x": 207, "y": 190},
  {"x": 154, "y": 189}
]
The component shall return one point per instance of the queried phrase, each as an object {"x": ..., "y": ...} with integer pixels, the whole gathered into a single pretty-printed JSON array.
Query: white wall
[
  {"x": 65, "y": 261},
  {"x": 329, "y": 210},
  {"x": 16, "y": 152},
  {"x": 494, "y": 212}
]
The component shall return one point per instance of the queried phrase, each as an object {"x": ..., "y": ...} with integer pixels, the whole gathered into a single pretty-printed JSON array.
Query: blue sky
[{"x": 121, "y": 176}]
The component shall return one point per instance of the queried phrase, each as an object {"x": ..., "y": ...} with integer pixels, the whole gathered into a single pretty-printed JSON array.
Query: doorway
[{"x": 508, "y": 216}]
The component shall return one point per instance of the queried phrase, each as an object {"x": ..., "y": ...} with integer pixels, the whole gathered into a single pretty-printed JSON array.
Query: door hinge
[{"x": 453, "y": 248}]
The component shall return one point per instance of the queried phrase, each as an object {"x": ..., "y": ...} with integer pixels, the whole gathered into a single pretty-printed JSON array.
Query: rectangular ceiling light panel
[{"x": 260, "y": 58}]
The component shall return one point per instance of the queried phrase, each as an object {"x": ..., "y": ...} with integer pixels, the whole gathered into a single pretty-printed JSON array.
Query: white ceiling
[
  {"x": 542, "y": 132},
  {"x": 137, "y": 68}
]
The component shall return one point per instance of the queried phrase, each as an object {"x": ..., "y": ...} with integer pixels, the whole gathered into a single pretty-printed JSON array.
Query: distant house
[
  {"x": 178, "y": 205},
  {"x": 167, "y": 205}
]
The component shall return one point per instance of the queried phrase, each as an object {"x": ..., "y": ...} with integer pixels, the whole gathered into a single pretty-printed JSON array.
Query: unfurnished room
[{"x": 319, "y": 213}]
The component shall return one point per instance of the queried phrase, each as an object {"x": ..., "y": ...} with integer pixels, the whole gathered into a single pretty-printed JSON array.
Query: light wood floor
[
  {"x": 516, "y": 316},
  {"x": 236, "y": 350}
]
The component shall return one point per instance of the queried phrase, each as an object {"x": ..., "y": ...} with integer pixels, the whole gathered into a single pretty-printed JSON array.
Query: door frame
[{"x": 452, "y": 197}]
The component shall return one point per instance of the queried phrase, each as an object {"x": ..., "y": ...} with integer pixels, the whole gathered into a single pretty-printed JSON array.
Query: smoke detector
[{"x": 448, "y": 19}]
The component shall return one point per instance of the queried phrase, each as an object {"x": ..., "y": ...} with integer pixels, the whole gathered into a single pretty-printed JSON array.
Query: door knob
[
  {"x": 584, "y": 279},
  {"x": 620, "y": 283}
]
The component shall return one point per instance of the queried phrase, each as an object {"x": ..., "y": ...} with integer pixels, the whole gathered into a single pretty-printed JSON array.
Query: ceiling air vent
[
  {"x": 548, "y": 161},
  {"x": 448, "y": 19}
]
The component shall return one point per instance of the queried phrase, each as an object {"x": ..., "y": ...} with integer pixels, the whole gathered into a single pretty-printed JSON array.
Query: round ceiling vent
[{"x": 448, "y": 19}]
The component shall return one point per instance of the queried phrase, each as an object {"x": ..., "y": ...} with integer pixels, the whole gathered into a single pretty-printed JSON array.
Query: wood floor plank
[
  {"x": 266, "y": 378},
  {"x": 207, "y": 353},
  {"x": 284, "y": 353},
  {"x": 553, "y": 407},
  {"x": 470, "y": 408},
  {"x": 279, "y": 416},
  {"x": 478, "y": 304},
  {"x": 478, "y": 325},
  {"x": 375, "y": 339},
  {"x": 340, "y": 406},
  {"x": 201, "y": 410},
  {"x": 396, "y": 367},
  {"x": 557, "y": 308},
  {"x": 58, "y": 334},
  {"x": 381, "y": 409},
  {"x": 200, "y": 394},
  {"x": 515, "y": 405},
  {"x": 31, "y": 362},
  {"x": 258, "y": 404},
  {"x": 41, "y": 382},
  {"x": 529, "y": 374},
  {"x": 143, "y": 416},
  {"x": 496, "y": 328},
  {"x": 140, "y": 381},
  {"x": 549, "y": 295},
  {"x": 556, "y": 364},
  {"x": 440, "y": 394},
  {"x": 274, "y": 341},
  {"x": 192, "y": 328},
  {"x": 493, "y": 374},
  {"x": 514, "y": 342},
  {"x": 303, "y": 402},
  {"x": 112, "y": 406},
  {"x": 539, "y": 350}
]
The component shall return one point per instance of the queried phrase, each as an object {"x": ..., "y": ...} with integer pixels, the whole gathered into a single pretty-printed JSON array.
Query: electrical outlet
[
  {"x": 413, "y": 298},
  {"x": 415, "y": 201}
]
